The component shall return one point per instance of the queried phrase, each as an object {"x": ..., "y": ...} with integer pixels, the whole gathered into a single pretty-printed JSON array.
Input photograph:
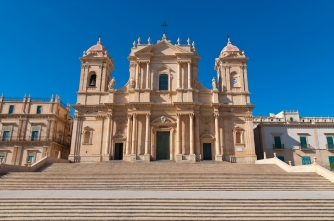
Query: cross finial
[{"x": 165, "y": 25}]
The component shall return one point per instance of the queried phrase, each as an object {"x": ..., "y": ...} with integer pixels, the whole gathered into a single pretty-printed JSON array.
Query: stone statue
[
  {"x": 112, "y": 83},
  {"x": 132, "y": 83},
  {"x": 214, "y": 84}
]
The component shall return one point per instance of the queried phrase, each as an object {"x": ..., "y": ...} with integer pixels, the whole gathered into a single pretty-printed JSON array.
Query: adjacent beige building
[
  {"x": 163, "y": 112},
  {"x": 34, "y": 128},
  {"x": 295, "y": 138}
]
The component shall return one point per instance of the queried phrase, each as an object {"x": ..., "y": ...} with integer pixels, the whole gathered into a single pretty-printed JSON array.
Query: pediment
[
  {"x": 119, "y": 136},
  {"x": 163, "y": 48},
  {"x": 163, "y": 120},
  {"x": 207, "y": 136}
]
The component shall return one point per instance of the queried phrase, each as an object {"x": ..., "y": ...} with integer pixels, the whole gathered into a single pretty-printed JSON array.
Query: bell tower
[
  {"x": 232, "y": 75},
  {"x": 96, "y": 72}
]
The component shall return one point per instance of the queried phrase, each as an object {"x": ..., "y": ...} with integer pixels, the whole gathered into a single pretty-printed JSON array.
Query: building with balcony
[
  {"x": 32, "y": 128},
  {"x": 163, "y": 112},
  {"x": 295, "y": 138}
]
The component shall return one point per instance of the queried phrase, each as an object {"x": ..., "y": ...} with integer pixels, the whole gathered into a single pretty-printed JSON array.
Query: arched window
[
  {"x": 291, "y": 119},
  {"x": 163, "y": 82},
  {"x": 92, "y": 80},
  {"x": 87, "y": 137},
  {"x": 238, "y": 137}
]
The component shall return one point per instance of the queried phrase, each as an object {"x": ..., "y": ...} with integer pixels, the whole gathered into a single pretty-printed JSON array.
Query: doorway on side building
[
  {"x": 118, "y": 151},
  {"x": 163, "y": 152},
  {"x": 207, "y": 154}
]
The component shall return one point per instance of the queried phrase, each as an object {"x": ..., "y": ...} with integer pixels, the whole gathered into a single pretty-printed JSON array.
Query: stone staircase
[
  {"x": 166, "y": 209},
  {"x": 164, "y": 176}
]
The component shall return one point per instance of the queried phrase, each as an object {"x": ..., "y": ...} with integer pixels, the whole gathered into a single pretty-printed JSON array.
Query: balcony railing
[
  {"x": 330, "y": 146},
  {"x": 304, "y": 146},
  {"x": 35, "y": 139},
  {"x": 279, "y": 146}
]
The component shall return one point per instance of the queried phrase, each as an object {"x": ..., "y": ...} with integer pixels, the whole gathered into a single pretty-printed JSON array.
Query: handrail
[{"x": 304, "y": 168}]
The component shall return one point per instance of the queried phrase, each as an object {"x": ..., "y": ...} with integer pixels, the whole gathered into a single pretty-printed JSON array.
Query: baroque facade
[
  {"x": 163, "y": 112},
  {"x": 294, "y": 138},
  {"x": 34, "y": 128}
]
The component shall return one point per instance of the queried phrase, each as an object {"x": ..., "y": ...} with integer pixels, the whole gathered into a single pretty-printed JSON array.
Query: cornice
[{"x": 295, "y": 125}]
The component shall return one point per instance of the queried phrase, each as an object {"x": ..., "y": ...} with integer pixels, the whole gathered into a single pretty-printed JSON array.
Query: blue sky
[{"x": 289, "y": 45}]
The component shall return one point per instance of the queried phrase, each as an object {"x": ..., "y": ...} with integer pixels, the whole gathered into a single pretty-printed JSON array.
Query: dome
[
  {"x": 97, "y": 50},
  {"x": 230, "y": 49}
]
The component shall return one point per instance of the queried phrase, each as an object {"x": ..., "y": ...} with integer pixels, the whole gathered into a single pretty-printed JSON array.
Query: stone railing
[
  {"x": 5, "y": 168},
  {"x": 304, "y": 168}
]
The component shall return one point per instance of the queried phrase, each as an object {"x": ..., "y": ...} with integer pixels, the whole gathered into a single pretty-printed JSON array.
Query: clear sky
[{"x": 290, "y": 44}]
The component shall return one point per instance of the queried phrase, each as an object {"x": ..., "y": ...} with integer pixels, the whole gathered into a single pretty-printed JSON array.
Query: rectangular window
[
  {"x": 330, "y": 143},
  {"x": 11, "y": 109},
  {"x": 331, "y": 162},
  {"x": 277, "y": 140},
  {"x": 3, "y": 157},
  {"x": 31, "y": 157},
  {"x": 34, "y": 134},
  {"x": 281, "y": 158},
  {"x": 306, "y": 160},
  {"x": 39, "y": 110},
  {"x": 303, "y": 142},
  {"x": 6, "y": 133}
]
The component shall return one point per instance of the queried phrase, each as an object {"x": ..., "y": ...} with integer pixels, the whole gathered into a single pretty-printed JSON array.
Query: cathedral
[{"x": 163, "y": 112}]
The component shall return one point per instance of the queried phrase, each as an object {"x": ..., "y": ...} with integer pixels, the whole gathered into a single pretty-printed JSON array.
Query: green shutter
[
  {"x": 303, "y": 142},
  {"x": 281, "y": 158},
  {"x": 306, "y": 160},
  {"x": 331, "y": 162},
  {"x": 330, "y": 142},
  {"x": 277, "y": 140}
]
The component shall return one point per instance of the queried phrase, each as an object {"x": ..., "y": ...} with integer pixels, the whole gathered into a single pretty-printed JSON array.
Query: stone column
[
  {"x": 217, "y": 144},
  {"x": 103, "y": 80},
  {"x": 198, "y": 144},
  {"x": 147, "y": 132},
  {"x": 51, "y": 135},
  {"x": 192, "y": 156},
  {"x": 134, "y": 132},
  {"x": 191, "y": 125},
  {"x": 178, "y": 156},
  {"x": 137, "y": 75},
  {"x": 249, "y": 138},
  {"x": 147, "y": 75},
  {"x": 189, "y": 74},
  {"x": 147, "y": 138},
  {"x": 178, "y": 74},
  {"x": 107, "y": 137},
  {"x": 128, "y": 143}
]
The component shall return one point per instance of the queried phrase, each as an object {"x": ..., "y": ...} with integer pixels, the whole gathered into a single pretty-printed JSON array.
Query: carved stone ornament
[
  {"x": 132, "y": 83},
  {"x": 112, "y": 83},
  {"x": 214, "y": 84},
  {"x": 163, "y": 119}
]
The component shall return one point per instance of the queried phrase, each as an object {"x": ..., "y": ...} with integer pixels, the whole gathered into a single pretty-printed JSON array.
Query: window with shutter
[
  {"x": 303, "y": 142},
  {"x": 306, "y": 160},
  {"x": 330, "y": 143},
  {"x": 163, "y": 82},
  {"x": 277, "y": 140}
]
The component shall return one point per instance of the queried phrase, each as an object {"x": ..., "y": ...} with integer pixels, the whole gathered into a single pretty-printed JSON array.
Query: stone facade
[
  {"x": 163, "y": 111},
  {"x": 34, "y": 128},
  {"x": 295, "y": 138}
]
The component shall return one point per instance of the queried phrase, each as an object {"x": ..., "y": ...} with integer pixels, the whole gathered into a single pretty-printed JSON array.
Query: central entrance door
[
  {"x": 163, "y": 152},
  {"x": 207, "y": 154},
  {"x": 118, "y": 151}
]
